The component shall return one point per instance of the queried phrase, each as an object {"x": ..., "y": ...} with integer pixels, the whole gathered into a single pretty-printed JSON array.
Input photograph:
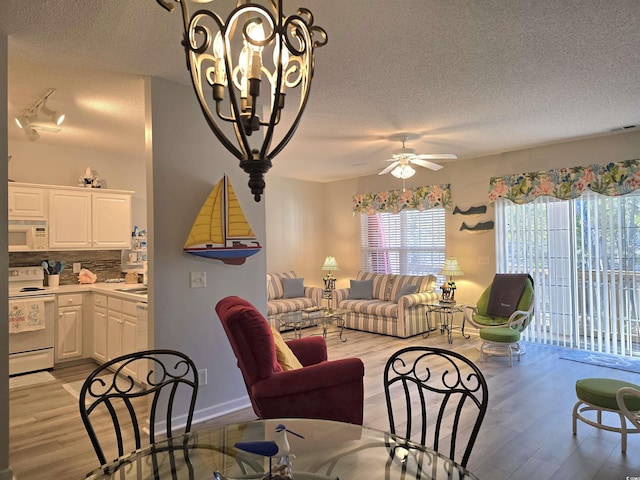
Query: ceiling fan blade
[
  {"x": 436, "y": 156},
  {"x": 426, "y": 164},
  {"x": 389, "y": 168}
]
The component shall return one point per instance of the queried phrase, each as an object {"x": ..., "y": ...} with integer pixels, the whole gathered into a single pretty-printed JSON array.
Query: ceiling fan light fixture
[{"x": 403, "y": 172}]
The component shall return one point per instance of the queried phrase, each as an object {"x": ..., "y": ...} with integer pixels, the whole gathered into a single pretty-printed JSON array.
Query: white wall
[
  {"x": 296, "y": 237},
  {"x": 5, "y": 472},
  {"x": 187, "y": 161}
]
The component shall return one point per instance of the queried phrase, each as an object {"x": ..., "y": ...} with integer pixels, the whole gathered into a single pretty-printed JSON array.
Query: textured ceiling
[{"x": 468, "y": 77}]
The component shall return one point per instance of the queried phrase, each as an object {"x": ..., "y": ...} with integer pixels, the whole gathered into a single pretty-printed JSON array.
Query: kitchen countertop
[{"x": 101, "y": 287}]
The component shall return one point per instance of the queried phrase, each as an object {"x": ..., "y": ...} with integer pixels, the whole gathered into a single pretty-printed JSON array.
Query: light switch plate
[{"x": 198, "y": 279}]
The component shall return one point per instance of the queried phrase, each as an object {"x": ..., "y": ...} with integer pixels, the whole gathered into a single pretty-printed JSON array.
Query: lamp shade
[
  {"x": 330, "y": 264},
  {"x": 403, "y": 172},
  {"x": 451, "y": 268}
]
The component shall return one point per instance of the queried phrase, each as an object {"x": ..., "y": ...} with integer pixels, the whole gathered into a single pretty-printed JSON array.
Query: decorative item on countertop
[
  {"x": 52, "y": 267},
  {"x": 450, "y": 269},
  {"x": 89, "y": 179},
  {"x": 271, "y": 448},
  {"x": 86, "y": 276},
  {"x": 221, "y": 230}
]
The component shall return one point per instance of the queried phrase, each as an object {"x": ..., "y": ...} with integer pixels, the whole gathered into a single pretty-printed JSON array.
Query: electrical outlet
[
  {"x": 198, "y": 279},
  {"x": 77, "y": 266},
  {"x": 202, "y": 377}
]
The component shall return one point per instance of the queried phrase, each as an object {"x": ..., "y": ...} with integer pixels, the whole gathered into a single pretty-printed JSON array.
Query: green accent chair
[
  {"x": 608, "y": 395},
  {"x": 501, "y": 336}
]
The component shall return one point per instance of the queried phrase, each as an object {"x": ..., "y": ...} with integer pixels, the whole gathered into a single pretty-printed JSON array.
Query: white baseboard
[{"x": 203, "y": 415}]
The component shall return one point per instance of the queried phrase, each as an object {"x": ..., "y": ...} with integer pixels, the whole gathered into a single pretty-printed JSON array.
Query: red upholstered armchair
[{"x": 330, "y": 390}]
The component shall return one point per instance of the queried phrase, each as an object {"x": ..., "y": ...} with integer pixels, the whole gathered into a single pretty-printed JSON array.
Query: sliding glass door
[{"x": 584, "y": 255}]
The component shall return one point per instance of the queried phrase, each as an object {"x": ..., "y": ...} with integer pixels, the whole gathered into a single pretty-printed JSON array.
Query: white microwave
[{"x": 28, "y": 235}]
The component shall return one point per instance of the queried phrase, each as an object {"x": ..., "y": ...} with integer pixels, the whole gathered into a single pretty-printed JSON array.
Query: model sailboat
[{"x": 221, "y": 230}]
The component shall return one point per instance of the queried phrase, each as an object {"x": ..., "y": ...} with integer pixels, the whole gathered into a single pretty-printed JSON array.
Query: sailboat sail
[{"x": 221, "y": 230}]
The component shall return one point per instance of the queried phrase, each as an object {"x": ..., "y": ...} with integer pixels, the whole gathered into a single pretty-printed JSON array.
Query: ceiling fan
[{"x": 404, "y": 157}]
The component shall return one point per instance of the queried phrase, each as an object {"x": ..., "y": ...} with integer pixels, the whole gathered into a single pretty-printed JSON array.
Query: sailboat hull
[{"x": 230, "y": 256}]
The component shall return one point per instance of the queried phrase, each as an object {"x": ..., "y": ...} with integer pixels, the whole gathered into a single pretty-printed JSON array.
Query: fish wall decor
[
  {"x": 478, "y": 227},
  {"x": 477, "y": 210}
]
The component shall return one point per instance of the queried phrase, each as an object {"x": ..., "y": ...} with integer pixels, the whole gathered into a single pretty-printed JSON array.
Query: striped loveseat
[
  {"x": 382, "y": 314},
  {"x": 278, "y": 302}
]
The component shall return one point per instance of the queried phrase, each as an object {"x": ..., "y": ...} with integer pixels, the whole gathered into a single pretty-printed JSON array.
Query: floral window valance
[
  {"x": 611, "y": 179},
  {"x": 394, "y": 201}
]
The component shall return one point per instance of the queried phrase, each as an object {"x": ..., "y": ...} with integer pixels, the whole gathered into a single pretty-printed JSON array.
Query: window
[
  {"x": 411, "y": 242},
  {"x": 584, "y": 255}
]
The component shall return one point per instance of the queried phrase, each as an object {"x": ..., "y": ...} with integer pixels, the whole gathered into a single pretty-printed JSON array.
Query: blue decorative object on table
[{"x": 271, "y": 448}]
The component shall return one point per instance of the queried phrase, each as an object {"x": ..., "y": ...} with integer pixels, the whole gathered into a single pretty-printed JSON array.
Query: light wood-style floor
[{"x": 526, "y": 433}]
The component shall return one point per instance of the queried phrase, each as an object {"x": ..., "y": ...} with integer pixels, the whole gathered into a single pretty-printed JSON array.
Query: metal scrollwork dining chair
[
  {"x": 111, "y": 395},
  {"x": 435, "y": 397}
]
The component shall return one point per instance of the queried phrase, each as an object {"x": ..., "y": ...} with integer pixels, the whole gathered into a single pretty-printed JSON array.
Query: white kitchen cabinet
[
  {"x": 121, "y": 330},
  {"x": 27, "y": 201},
  {"x": 142, "y": 341},
  {"x": 69, "y": 219},
  {"x": 111, "y": 220},
  {"x": 69, "y": 327},
  {"x": 83, "y": 219},
  {"x": 99, "y": 348}
]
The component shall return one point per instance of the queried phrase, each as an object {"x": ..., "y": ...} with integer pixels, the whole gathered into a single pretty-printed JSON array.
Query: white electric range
[{"x": 31, "y": 321}]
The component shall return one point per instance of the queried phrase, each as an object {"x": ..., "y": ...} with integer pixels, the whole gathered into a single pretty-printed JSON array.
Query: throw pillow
[
  {"x": 286, "y": 358},
  {"x": 293, "y": 287},
  {"x": 361, "y": 290},
  {"x": 406, "y": 289}
]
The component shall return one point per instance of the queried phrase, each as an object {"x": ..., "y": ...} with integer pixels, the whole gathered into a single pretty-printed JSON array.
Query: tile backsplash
[{"x": 106, "y": 264}]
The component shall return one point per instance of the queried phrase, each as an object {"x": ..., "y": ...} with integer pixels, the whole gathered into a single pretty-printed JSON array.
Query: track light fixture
[
  {"x": 228, "y": 61},
  {"x": 30, "y": 122}
]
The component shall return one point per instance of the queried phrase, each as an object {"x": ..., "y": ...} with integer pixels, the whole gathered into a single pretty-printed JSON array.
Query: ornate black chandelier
[{"x": 228, "y": 61}]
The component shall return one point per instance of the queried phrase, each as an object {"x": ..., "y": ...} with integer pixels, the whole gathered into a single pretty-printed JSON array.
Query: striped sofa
[
  {"x": 381, "y": 314},
  {"x": 277, "y": 304}
]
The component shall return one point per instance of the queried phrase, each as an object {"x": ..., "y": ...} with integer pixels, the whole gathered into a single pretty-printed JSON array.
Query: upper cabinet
[
  {"x": 69, "y": 219},
  {"x": 81, "y": 219},
  {"x": 77, "y": 218},
  {"x": 26, "y": 201},
  {"x": 111, "y": 220}
]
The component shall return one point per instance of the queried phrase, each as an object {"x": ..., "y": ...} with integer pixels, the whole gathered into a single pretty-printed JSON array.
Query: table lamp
[
  {"x": 450, "y": 269},
  {"x": 329, "y": 280}
]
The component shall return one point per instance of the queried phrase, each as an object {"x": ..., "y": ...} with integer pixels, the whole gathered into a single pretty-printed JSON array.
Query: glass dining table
[{"x": 329, "y": 450}]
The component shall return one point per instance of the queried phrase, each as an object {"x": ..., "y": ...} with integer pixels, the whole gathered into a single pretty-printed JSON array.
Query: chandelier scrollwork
[{"x": 228, "y": 61}]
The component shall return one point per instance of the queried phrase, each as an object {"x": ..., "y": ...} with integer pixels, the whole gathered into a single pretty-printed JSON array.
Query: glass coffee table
[{"x": 326, "y": 316}]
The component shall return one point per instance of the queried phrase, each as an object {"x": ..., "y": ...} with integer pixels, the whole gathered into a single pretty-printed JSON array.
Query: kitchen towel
[{"x": 26, "y": 316}]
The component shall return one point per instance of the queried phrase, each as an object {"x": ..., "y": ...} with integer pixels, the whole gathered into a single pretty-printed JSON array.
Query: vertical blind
[
  {"x": 584, "y": 255},
  {"x": 411, "y": 242}
]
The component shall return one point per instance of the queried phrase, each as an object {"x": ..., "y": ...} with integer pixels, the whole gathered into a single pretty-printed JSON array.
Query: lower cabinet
[
  {"x": 69, "y": 327},
  {"x": 99, "y": 351},
  {"x": 121, "y": 330}
]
